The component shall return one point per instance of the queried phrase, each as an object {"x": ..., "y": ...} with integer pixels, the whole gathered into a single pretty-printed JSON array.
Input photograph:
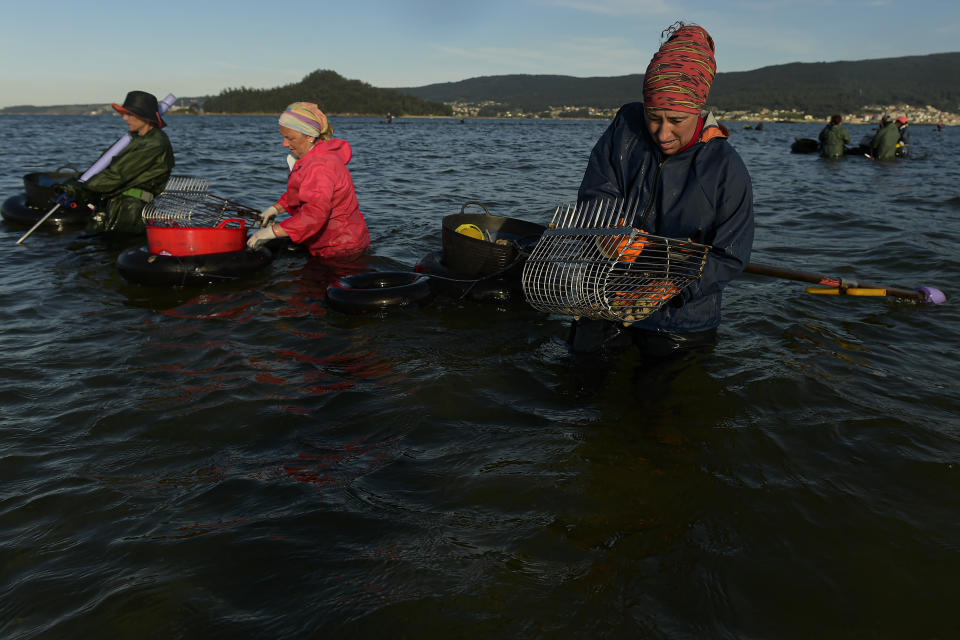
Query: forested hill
[
  {"x": 818, "y": 88},
  {"x": 334, "y": 93},
  {"x": 536, "y": 92}
]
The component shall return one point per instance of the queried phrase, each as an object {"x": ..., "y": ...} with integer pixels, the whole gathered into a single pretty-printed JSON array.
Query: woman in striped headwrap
[
  {"x": 320, "y": 198},
  {"x": 667, "y": 158}
]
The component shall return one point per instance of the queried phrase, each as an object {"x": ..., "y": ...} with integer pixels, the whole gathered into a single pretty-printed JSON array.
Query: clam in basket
[{"x": 589, "y": 264}]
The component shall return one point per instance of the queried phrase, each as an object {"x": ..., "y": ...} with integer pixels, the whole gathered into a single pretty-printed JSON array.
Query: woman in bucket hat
[
  {"x": 134, "y": 176},
  {"x": 669, "y": 158},
  {"x": 320, "y": 197}
]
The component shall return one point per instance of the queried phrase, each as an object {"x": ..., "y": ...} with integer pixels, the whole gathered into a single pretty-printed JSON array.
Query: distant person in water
[
  {"x": 134, "y": 176},
  {"x": 883, "y": 146},
  {"x": 833, "y": 137},
  {"x": 320, "y": 198},
  {"x": 669, "y": 157},
  {"x": 904, "y": 136}
]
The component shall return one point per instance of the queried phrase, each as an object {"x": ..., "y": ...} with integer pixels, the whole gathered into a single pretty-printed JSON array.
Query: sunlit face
[
  {"x": 672, "y": 130},
  {"x": 297, "y": 142},
  {"x": 136, "y": 124}
]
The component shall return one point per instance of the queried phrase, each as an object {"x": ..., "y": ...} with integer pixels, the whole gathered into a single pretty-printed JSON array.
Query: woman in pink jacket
[{"x": 320, "y": 198}]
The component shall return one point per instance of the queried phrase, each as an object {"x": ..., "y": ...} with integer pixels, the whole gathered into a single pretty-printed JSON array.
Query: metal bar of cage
[{"x": 186, "y": 184}]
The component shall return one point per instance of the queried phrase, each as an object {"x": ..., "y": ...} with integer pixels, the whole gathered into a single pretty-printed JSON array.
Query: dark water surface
[{"x": 240, "y": 461}]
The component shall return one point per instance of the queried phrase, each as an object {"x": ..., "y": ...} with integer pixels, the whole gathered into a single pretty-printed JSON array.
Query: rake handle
[
  {"x": 815, "y": 278},
  {"x": 39, "y": 222}
]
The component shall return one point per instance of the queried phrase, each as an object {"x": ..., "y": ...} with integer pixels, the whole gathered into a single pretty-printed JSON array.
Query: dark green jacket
[
  {"x": 832, "y": 139},
  {"x": 884, "y": 143},
  {"x": 143, "y": 166}
]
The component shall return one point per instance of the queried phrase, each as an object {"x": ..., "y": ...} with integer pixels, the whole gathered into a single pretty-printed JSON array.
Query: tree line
[
  {"x": 818, "y": 88},
  {"x": 331, "y": 91}
]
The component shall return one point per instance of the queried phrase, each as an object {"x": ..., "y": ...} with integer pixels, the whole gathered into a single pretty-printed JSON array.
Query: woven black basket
[
  {"x": 504, "y": 247},
  {"x": 39, "y": 186}
]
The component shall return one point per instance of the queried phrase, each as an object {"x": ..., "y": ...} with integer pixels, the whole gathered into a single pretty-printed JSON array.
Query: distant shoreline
[{"x": 722, "y": 118}]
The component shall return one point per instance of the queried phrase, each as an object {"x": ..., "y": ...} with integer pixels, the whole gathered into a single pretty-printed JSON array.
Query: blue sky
[{"x": 72, "y": 52}]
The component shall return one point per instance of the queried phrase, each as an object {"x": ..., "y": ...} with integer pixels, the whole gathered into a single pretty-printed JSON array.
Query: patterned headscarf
[
  {"x": 678, "y": 77},
  {"x": 306, "y": 118}
]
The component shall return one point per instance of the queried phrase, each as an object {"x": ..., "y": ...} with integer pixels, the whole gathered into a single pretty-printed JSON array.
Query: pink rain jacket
[{"x": 324, "y": 214}]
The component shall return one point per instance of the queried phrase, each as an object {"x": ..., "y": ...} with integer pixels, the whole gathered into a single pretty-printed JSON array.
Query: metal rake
[
  {"x": 185, "y": 202},
  {"x": 186, "y": 184}
]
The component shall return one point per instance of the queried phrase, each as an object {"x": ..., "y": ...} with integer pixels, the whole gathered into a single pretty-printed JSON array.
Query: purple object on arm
[{"x": 120, "y": 144}]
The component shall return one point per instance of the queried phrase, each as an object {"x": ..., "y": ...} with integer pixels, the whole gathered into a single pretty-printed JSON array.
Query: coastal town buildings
[{"x": 867, "y": 115}]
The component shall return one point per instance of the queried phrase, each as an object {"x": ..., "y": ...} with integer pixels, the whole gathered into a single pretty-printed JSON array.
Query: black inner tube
[
  {"x": 139, "y": 266},
  {"x": 377, "y": 291}
]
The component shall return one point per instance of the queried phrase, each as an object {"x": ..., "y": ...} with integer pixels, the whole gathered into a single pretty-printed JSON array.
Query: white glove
[
  {"x": 268, "y": 215},
  {"x": 261, "y": 237}
]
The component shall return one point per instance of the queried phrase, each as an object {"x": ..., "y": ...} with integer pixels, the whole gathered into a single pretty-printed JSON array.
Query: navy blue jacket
[{"x": 702, "y": 193}]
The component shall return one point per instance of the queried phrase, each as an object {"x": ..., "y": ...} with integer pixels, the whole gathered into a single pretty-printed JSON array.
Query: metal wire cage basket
[
  {"x": 185, "y": 202},
  {"x": 187, "y": 220},
  {"x": 589, "y": 264}
]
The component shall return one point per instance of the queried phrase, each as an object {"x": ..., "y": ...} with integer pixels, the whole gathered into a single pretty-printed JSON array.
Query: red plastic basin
[{"x": 193, "y": 241}]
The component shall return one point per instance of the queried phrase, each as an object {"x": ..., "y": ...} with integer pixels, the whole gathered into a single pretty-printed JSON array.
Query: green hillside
[
  {"x": 334, "y": 93},
  {"x": 819, "y": 88},
  {"x": 536, "y": 92}
]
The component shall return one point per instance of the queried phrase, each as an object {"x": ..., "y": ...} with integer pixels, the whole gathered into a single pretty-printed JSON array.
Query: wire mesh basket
[
  {"x": 589, "y": 264},
  {"x": 186, "y": 202}
]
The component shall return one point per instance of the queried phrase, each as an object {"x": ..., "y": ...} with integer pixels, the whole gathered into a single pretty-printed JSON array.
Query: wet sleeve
[
  {"x": 731, "y": 238},
  {"x": 316, "y": 203},
  {"x": 602, "y": 178},
  {"x": 139, "y": 162}
]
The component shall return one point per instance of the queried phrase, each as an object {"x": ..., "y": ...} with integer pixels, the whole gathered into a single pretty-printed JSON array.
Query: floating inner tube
[
  {"x": 17, "y": 209},
  {"x": 286, "y": 247},
  {"x": 446, "y": 281},
  {"x": 805, "y": 145},
  {"x": 377, "y": 291},
  {"x": 862, "y": 150},
  {"x": 139, "y": 266}
]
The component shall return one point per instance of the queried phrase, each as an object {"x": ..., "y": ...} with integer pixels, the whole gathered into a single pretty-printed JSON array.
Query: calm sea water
[{"x": 241, "y": 461}]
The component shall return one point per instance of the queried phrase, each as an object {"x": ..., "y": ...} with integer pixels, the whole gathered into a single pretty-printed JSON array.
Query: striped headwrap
[
  {"x": 306, "y": 118},
  {"x": 678, "y": 77}
]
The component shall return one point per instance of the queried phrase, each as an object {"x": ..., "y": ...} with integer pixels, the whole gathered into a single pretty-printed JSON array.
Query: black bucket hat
[{"x": 143, "y": 105}]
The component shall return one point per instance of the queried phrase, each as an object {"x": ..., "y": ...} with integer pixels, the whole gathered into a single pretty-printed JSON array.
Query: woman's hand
[
  {"x": 72, "y": 190},
  {"x": 261, "y": 237},
  {"x": 268, "y": 215}
]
